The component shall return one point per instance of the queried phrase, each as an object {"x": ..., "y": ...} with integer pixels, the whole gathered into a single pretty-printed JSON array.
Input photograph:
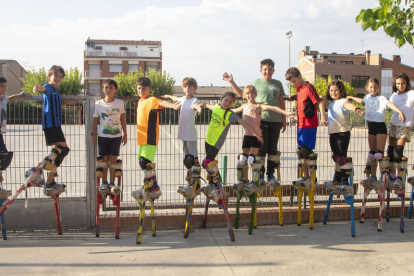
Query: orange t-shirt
[{"x": 148, "y": 121}]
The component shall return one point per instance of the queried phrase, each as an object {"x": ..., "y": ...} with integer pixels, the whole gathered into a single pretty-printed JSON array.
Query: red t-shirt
[{"x": 307, "y": 99}]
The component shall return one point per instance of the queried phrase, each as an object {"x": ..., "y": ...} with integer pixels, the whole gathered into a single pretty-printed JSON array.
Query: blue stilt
[
  {"x": 3, "y": 224},
  {"x": 410, "y": 209},
  {"x": 325, "y": 219}
]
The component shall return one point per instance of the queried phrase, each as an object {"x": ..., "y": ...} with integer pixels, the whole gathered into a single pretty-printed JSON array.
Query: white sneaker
[
  {"x": 252, "y": 188},
  {"x": 207, "y": 189},
  {"x": 297, "y": 182},
  {"x": 307, "y": 184},
  {"x": 240, "y": 186},
  {"x": 369, "y": 183},
  {"x": 332, "y": 185}
]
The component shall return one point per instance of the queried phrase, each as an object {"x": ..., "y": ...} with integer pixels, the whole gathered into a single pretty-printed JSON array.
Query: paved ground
[{"x": 273, "y": 250}]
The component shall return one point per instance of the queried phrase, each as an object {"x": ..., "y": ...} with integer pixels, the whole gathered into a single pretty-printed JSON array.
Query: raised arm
[
  {"x": 356, "y": 99},
  {"x": 247, "y": 126},
  {"x": 291, "y": 115},
  {"x": 38, "y": 88},
  {"x": 236, "y": 89},
  {"x": 166, "y": 104},
  {"x": 396, "y": 109},
  {"x": 209, "y": 106},
  {"x": 352, "y": 107},
  {"x": 171, "y": 97},
  {"x": 18, "y": 96},
  {"x": 239, "y": 109},
  {"x": 198, "y": 107}
]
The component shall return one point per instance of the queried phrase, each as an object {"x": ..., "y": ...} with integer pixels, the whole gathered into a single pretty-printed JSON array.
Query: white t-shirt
[
  {"x": 186, "y": 123},
  {"x": 338, "y": 117},
  {"x": 375, "y": 108},
  {"x": 405, "y": 103},
  {"x": 110, "y": 118},
  {"x": 3, "y": 114}
]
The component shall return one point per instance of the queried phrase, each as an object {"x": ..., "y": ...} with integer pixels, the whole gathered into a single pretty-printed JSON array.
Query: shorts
[
  {"x": 3, "y": 148},
  {"x": 307, "y": 137},
  {"x": 375, "y": 128},
  {"x": 147, "y": 151},
  {"x": 190, "y": 148},
  {"x": 54, "y": 135},
  {"x": 400, "y": 132},
  {"x": 250, "y": 142},
  {"x": 109, "y": 146}
]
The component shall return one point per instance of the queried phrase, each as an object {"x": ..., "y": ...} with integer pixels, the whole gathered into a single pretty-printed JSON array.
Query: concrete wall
[{"x": 12, "y": 71}]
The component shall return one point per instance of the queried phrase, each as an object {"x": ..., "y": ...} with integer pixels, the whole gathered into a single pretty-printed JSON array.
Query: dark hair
[
  {"x": 2, "y": 80},
  {"x": 373, "y": 80},
  {"x": 401, "y": 76},
  {"x": 110, "y": 82},
  {"x": 144, "y": 81},
  {"x": 56, "y": 69},
  {"x": 267, "y": 61},
  {"x": 341, "y": 87},
  {"x": 189, "y": 81},
  {"x": 228, "y": 94},
  {"x": 292, "y": 72}
]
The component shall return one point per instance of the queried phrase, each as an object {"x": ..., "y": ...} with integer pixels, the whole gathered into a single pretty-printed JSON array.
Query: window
[
  {"x": 98, "y": 47},
  {"x": 337, "y": 77},
  {"x": 115, "y": 68},
  {"x": 331, "y": 61},
  {"x": 347, "y": 62},
  {"x": 359, "y": 81},
  {"x": 133, "y": 68},
  {"x": 155, "y": 67},
  {"x": 325, "y": 77},
  {"x": 123, "y": 48},
  {"x": 363, "y": 63}
]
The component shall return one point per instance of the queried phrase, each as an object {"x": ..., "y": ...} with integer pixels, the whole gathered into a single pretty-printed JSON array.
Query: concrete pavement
[{"x": 271, "y": 250}]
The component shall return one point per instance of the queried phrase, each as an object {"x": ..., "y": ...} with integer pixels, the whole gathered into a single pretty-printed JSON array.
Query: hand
[
  {"x": 94, "y": 140},
  {"x": 36, "y": 88},
  {"x": 260, "y": 138},
  {"x": 324, "y": 122},
  {"x": 199, "y": 111},
  {"x": 227, "y": 77},
  {"x": 284, "y": 126},
  {"x": 349, "y": 97},
  {"x": 166, "y": 96},
  {"x": 124, "y": 140},
  {"x": 177, "y": 105},
  {"x": 402, "y": 117},
  {"x": 293, "y": 116},
  {"x": 360, "y": 112}
]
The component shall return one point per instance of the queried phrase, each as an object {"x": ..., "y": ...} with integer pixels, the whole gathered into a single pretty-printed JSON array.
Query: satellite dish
[
  {"x": 88, "y": 44},
  {"x": 92, "y": 44}
]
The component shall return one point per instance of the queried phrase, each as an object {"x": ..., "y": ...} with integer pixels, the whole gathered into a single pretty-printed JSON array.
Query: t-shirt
[
  {"x": 52, "y": 107},
  {"x": 338, "y": 117},
  {"x": 3, "y": 114},
  {"x": 148, "y": 121},
  {"x": 110, "y": 118},
  {"x": 186, "y": 124},
  {"x": 405, "y": 103},
  {"x": 251, "y": 116},
  {"x": 307, "y": 98},
  {"x": 375, "y": 108},
  {"x": 269, "y": 92},
  {"x": 217, "y": 132}
]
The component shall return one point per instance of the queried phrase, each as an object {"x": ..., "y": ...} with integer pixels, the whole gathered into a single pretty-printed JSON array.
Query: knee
[
  {"x": 306, "y": 152},
  {"x": 299, "y": 152},
  {"x": 242, "y": 159},
  {"x": 5, "y": 160},
  {"x": 390, "y": 152},
  {"x": 251, "y": 159},
  {"x": 189, "y": 161},
  {"x": 371, "y": 155},
  {"x": 143, "y": 162},
  {"x": 398, "y": 153},
  {"x": 379, "y": 155}
]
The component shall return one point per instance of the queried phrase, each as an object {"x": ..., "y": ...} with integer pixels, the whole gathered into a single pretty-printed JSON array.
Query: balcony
[
  {"x": 93, "y": 74},
  {"x": 103, "y": 53}
]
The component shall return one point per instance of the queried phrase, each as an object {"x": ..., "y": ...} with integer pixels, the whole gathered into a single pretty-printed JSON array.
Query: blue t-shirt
[{"x": 52, "y": 107}]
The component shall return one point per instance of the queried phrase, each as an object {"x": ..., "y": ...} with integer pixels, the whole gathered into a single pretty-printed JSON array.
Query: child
[
  {"x": 399, "y": 131},
  {"x": 5, "y": 155},
  {"x": 216, "y": 135},
  {"x": 52, "y": 126},
  {"x": 269, "y": 92},
  {"x": 147, "y": 135},
  {"x": 187, "y": 131},
  {"x": 375, "y": 106},
  {"x": 110, "y": 115},
  {"x": 307, "y": 99},
  {"x": 250, "y": 147},
  {"x": 339, "y": 131}
]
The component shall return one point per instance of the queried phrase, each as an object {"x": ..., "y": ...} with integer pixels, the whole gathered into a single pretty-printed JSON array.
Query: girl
[
  {"x": 216, "y": 135},
  {"x": 250, "y": 147},
  {"x": 399, "y": 130},
  {"x": 339, "y": 132},
  {"x": 375, "y": 106}
]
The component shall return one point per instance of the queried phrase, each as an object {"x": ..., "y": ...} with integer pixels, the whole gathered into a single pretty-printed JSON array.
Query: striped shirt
[{"x": 52, "y": 107}]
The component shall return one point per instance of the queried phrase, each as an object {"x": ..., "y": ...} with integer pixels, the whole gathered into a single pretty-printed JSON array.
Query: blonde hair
[{"x": 249, "y": 89}]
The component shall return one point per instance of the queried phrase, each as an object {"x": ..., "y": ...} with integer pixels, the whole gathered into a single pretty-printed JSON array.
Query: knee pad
[
  {"x": 334, "y": 157},
  {"x": 341, "y": 160},
  {"x": 5, "y": 160},
  {"x": 371, "y": 155},
  {"x": 390, "y": 152},
  {"x": 100, "y": 165},
  {"x": 117, "y": 166},
  {"x": 251, "y": 159},
  {"x": 299, "y": 153},
  {"x": 189, "y": 161},
  {"x": 143, "y": 162},
  {"x": 275, "y": 158},
  {"x": 212, "y": 170},
  {"x": 306, "y": 152},
  {"x": 398, "y": 153},
  {"x": 63, "y": 151},
  {"x": 242, "y": 159},
  {"x": 379, "y": 155}
]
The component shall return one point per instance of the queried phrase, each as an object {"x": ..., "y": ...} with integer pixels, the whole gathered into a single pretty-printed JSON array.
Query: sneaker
[
  {"x": 188, "y": 192},
  {"x": 140, "y": 196},
  {"x": 346, "y": 188},
  {"x": 398, "y": 184},
  {"x": 411, "y": 180},
  {"x": 54, "y": 188},
  {"x": 369, "y": 183},
  {"x": 4, "y": 194},
  {"x": 154, "y": 192},
  {"x": 273, "y": 182},
  {"x": 307, "y": 185},
  {"x": 207, "y": 189},
  {"x": 297, "y": 182},
  {"x": 332, "y": 185},
  {"x": 215, "y": 195},
  {"x": 115, "y": 190},
  {"x": 251, "y": 188},
  {"x": 239, "y": 186},
  {"x": 104, "y": 188}
]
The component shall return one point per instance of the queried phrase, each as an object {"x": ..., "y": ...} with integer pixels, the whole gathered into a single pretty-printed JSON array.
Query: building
[
  {"x": 104, "y": 59},
  {"x": 13, "y": 72},
  {"x": 353, "y": 68}
]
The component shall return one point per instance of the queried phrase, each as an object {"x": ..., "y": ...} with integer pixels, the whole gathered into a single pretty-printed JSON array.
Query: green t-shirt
[
  {"x": 269, "y": 92},
  {"x": 217, "y": 132}
]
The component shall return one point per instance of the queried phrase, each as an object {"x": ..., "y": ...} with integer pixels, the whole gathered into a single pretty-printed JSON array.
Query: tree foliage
[
  {"x": 161, "y": 83},
  {"x": 321, "y": 85},
  {"x": 395, "y": 16},
  {"x": 70, "y": 85}
]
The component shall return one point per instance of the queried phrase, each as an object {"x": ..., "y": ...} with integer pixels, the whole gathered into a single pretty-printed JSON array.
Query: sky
[{"x": 200, "y": 38}]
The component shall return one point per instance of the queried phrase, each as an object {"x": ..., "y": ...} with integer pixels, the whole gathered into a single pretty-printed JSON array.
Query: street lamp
[{"x": 289, "y": 35}]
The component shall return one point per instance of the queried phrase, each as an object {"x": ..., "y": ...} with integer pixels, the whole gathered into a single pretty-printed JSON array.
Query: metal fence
[{"x": 25, "y": 137}]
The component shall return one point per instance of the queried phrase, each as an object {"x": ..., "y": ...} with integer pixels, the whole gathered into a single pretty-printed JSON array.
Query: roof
[
  {"x": 124, "y": 42},
  {"x": 399, "y": 63},
  {"x": 205, "y": 90}
]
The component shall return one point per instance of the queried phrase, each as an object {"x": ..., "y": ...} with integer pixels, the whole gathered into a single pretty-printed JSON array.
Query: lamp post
[{"x": 289, "y": 35}]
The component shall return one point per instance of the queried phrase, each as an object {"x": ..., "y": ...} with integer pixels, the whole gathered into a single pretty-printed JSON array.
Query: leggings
[{"x": 339, "y": 142}]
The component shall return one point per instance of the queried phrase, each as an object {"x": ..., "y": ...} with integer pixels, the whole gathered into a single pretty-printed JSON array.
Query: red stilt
[{"x": 56, "y": 200}]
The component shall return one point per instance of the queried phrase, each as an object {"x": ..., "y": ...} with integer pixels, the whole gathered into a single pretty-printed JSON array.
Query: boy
[
  {"x": 147, "y": 135},
  {"x": 307, "y": 99},
  {"x": 187, "y": 131},
  {"x": 269, "y": 92},
  {"x": 110, "y": 115},
  {"x": 52, "y": 127},
  {"x": 5, "y": 155}
]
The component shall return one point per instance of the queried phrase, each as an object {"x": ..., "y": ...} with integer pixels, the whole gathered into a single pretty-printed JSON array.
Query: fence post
[{"x": 224, "y": 170}]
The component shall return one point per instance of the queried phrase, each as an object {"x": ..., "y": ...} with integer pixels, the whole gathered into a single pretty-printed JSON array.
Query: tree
[
  {"x": 161, "y": 83},
  {"x": 321, "y": 85},
  {"x": 395, "y": 16},
  {"x": 70, "y": 85}
]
